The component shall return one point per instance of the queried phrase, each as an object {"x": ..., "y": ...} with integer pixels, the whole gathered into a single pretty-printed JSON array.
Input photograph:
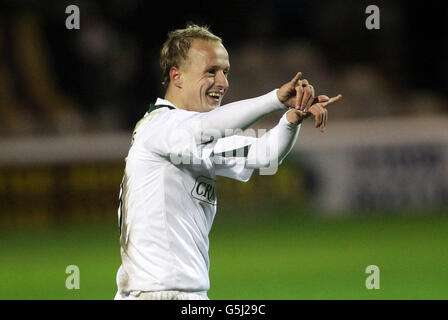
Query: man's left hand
[{"x": 318, "y": 110}]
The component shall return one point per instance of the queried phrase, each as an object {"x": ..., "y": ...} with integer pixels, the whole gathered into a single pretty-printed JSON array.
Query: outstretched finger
[
  {"x": 322, "y": 98},
  {"x": 332, "y": 100},
  {"x": 296, "y": 79}
]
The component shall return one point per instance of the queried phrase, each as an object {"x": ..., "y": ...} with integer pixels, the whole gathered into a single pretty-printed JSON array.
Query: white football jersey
[{"x": 168, "y": 201}]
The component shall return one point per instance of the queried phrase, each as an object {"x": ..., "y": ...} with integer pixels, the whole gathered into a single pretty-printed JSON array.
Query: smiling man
[
  {"x": 199, "y": 82},
  {"x": 168, "y": 193}
]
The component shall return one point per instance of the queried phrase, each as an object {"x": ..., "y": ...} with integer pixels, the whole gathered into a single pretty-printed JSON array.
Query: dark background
[
  {"x": 108, "y": 70},
  {"x": 371, "y": 191}
]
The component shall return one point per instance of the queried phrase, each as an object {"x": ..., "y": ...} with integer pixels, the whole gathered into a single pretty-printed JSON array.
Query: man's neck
[{"x": 174, "y": 99}]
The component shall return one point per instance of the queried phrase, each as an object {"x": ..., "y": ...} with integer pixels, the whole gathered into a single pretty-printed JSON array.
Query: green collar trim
[{"x": 153, "y": 107}]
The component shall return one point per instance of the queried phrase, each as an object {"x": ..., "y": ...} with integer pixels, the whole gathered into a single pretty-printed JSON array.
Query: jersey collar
[
  {"x": 161, "y": 103},
  {"x": 164, "y": 102}
]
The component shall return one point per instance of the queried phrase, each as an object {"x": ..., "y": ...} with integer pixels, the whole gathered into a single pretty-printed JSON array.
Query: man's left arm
[{"x": 276, "y": 144}]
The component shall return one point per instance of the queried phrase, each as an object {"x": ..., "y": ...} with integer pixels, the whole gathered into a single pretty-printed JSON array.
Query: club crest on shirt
[{"x": 204, "y": 190}]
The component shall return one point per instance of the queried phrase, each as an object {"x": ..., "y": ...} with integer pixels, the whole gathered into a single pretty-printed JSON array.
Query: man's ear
[{"x": 175, "y": 77}]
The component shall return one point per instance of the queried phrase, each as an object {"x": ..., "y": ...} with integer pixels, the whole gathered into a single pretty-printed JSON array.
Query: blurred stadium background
[{"x": 373, "y": 190}]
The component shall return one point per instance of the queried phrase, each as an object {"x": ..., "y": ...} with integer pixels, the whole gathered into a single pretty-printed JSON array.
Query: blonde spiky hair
[{"x": 175, "y": 49}]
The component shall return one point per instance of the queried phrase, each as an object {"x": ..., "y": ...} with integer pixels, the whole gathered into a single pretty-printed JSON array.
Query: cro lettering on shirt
[{"x": 205, "y": 190}]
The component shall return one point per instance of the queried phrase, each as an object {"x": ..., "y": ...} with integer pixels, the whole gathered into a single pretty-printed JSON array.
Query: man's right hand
[{"x": 297, "y": 93}]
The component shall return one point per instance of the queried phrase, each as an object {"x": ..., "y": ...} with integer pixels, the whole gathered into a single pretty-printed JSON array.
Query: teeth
[{"x": 214, "y": 94}]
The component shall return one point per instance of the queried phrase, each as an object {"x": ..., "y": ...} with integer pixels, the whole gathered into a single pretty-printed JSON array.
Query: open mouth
[{"x": 214, "y": 97}]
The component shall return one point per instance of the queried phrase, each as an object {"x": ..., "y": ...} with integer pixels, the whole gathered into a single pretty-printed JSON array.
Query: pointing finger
[
  {"x": 332, "y": 100},
  {"x": 322, "y": 98},
  {"x": 296, "y": 78}
]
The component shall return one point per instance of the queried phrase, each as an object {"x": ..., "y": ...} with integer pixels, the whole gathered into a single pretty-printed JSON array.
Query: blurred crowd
[{"x": 103, "y": 76}]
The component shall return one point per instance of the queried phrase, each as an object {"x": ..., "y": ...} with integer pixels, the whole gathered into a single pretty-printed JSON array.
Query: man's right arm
[
  {"x": 223, "y": 121},
  {"x": 237, "y": 115}
]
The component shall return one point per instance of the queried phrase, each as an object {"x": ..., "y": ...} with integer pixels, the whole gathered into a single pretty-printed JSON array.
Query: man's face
[{"x": 204, "y": 75}]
